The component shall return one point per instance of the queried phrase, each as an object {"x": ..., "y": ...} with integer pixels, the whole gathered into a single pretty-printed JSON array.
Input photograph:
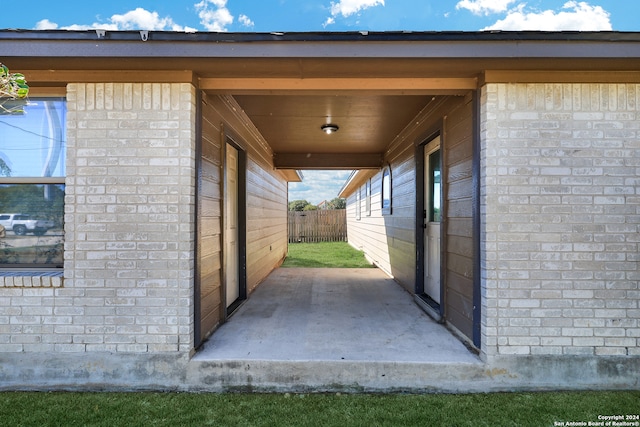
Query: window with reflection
[
  {"x": 386, "y": 191},
  {"x": 367, "y": 203},
  {"x": 32, "y": 172}
]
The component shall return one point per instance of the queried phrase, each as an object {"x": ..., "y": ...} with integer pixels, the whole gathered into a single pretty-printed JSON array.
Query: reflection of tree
[
  {"x": 47, "y": 253},
  {"x": 13, "y": 86},
  {"x": 5, "y": 170},
  {"x": 29, "y": 199}
]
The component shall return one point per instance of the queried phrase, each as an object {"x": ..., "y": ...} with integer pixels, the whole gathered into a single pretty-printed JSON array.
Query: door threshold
[
  {"x": 234, "y": 307},
  {"x": 428, "y": 307}
]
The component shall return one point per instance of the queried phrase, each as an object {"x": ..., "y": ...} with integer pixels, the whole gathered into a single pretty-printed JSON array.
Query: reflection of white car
[{"x": 22, "y": 224}]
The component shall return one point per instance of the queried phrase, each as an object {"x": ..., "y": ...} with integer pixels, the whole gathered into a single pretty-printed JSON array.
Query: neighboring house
[{"x": 497, "y": 181}]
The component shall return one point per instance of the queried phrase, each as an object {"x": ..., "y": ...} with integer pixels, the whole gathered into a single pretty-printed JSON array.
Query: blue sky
[{"x": 325, "y": 15}]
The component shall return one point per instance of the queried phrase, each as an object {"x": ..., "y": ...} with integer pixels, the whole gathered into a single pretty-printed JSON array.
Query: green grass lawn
[
  {"x": 325, "y": 255},
  {"x": 184, "y": 409}
]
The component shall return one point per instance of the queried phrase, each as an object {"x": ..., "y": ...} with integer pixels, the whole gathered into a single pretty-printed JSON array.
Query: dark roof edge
[{"x": 390, "y": 36}]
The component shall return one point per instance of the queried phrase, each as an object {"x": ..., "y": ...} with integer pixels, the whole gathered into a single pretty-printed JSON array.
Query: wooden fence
[{"x": 318, "y": 226}]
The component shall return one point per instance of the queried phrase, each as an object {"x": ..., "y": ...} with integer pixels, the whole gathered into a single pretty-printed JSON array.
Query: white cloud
[
  {"x": 45, "y": 24},
  {"x": 138, "y": 19},
  {"x": 246, "y": 21},
  {"x": 318, "y": 185},
  {"x": 350, "y": 7},
  {"x": 347, "y": 8},
  {"x": 484, "y": 7},
  {"x": 141, "y": 19},
  {"x": 214, "y": 15},
  {"x": 575, "y": 16}
]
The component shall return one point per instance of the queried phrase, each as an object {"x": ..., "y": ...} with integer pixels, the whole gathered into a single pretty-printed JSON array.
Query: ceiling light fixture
[{"x": 329, "y": 128}]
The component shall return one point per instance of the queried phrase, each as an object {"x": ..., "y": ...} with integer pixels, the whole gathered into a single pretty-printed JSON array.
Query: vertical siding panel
[
  {"x": 209, "y": 237},
  {"x": 457, "y": 237}
]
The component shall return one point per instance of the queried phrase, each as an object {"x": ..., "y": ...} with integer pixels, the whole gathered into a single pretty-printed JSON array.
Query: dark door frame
[{"x": 434, "y": 309}]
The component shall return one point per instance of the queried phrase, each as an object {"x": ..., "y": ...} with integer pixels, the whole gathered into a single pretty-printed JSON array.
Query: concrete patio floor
[
  {"x": 353, "y": 330},
  {"x": 307, "y": 314}
]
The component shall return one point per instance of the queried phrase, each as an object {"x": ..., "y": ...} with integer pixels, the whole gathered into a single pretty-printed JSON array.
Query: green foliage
[
  {"x": 299, "y": 205},
  {"x": 302, "y": 410},
  {"x": 337, "y": 203},
  {"x": 325, "y": 255},
  {"x": 13, "y": 86},
  {"x": 304, "y": 205}
]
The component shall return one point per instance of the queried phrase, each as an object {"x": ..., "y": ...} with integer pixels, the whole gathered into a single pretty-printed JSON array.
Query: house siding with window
[{"x": 129, "y": 206}]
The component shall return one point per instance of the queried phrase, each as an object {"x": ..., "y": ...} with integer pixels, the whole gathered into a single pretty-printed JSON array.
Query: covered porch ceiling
[{"x": 366, "y": 124}]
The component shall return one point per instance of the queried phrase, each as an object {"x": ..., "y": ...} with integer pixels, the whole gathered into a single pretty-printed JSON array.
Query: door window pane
[{"x": 435, "y": 190}]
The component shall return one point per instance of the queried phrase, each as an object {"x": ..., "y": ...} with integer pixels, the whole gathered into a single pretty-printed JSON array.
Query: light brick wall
[
  {"x": 129, "y": 229},
  {"x": 561, "y": 213}
]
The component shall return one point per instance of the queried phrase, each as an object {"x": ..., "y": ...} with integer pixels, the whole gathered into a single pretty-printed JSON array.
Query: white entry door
[
  {"x": 433, "y": 211},
  {"x": 231, "y": 227}
]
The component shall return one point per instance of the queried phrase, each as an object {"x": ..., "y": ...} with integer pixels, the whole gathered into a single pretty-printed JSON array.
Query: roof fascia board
[
  {"x": 355, "y": 180},
  {"x": 327, "y": 47},
  {"x": 237, "y": 37},
  {"x": 110, "y": 76},
  {"x": 309, "y": 85}
]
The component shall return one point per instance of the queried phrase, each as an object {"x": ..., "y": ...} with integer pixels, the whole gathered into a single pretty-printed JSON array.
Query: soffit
[{"x": 367, "y": 124}]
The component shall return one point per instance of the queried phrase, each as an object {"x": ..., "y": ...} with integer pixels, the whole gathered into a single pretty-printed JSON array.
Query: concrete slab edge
[{"x": 133, "y": 372}]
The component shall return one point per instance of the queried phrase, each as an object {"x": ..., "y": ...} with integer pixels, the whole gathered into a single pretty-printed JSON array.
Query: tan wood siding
[
  {"x": 458, "y": 241},
  {"x": 266, "y": 206},
  {"x": 369, "y": 233},
  {"x": 266, "y": 220},
  {"x": 209, "y": 223}
]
